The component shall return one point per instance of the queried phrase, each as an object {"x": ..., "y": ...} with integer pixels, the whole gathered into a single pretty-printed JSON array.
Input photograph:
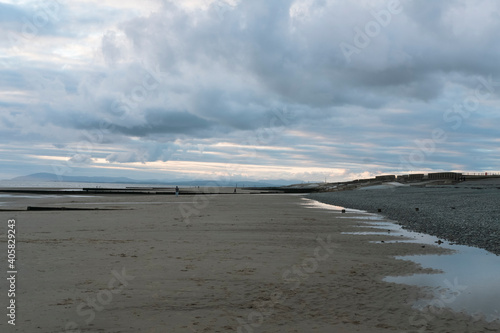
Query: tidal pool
[{"x": 470, "y": 281}]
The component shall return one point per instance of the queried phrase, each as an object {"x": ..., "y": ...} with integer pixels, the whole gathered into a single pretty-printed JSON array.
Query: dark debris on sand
[{"x": 468, "y": 216}]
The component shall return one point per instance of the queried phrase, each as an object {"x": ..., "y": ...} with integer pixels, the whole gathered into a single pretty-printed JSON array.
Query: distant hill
[{"x": 50, "y": 177}]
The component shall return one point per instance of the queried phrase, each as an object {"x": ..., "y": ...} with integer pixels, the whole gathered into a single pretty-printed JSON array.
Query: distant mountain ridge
[{"x": 50, "y": 177}]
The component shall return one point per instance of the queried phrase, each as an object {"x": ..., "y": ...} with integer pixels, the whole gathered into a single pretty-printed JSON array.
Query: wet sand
[
  {"x": 465, "y": 214},
  {"x": 219, "y": 263}
]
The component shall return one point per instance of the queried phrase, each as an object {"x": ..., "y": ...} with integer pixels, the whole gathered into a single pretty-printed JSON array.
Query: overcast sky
[{"x": 249, "y": 89}]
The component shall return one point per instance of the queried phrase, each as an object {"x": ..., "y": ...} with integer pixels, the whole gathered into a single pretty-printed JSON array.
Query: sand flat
[{"x": 239, "y": 263}]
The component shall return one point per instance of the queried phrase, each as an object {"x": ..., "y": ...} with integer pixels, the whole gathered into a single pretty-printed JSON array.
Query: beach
[
  {"x": 465, "y": 213},
  {"x": 211, "y": 263}
]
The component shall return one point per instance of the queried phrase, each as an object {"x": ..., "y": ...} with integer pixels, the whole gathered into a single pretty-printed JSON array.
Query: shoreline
[
  {"x": 472, "y": 291},
  {"x": 247, "y": 262},
  {"x": 465, "y": 216}
]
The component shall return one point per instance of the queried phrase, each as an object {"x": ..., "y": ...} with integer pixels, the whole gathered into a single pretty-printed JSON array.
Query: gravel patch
[{"x": 467, "y": 216}]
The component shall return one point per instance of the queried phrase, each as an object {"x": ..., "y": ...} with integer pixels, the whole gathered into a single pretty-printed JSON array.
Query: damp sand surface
[
  {"x": 466, "y": 214},
  {"x": 219, "y": 263},
  {"x": 466, "y": 278}
]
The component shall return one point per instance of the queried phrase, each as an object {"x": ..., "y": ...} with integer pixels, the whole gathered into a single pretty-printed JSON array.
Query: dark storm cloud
[
  {"x": 288, "y": 59},
  {"x": 164, "y": 122}
]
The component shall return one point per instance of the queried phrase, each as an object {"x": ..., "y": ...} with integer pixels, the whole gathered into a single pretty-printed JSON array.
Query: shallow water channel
[{"x": 470, "y": 278}]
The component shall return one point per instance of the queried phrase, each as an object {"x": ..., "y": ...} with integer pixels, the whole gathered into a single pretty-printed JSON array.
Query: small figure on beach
[{"x": 177, "y": 191}]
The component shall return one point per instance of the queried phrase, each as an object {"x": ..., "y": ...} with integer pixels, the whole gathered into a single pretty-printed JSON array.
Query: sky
[{"x": 309, "y": 90}]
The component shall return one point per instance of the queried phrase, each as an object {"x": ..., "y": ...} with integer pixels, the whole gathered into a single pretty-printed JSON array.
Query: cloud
[
  {"x": 81, "y": 159},
  {"x": 166, "y": 122},
  {"x": 206, "y": 81},
  {"x": 124, "y": 157}
]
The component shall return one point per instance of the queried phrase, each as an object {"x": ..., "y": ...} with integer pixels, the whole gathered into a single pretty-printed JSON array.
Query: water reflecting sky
[
  {"x": 472, "y": 274},
  {"x": 471, "y": 278}
]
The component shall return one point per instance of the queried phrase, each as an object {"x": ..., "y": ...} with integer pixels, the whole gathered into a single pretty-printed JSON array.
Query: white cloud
[{"x": 153, "y": 81}]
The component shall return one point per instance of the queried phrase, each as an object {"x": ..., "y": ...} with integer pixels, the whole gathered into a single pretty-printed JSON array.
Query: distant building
[
  {"x": 386, "y": 178},
  {"x": 402, "y": 177},
  {"x": 416, "y": 176},
  {"x": 445, "y": 175}
]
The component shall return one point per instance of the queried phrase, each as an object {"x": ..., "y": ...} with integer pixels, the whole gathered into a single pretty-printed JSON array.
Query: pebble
[{"x": 474, "y": 221}]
